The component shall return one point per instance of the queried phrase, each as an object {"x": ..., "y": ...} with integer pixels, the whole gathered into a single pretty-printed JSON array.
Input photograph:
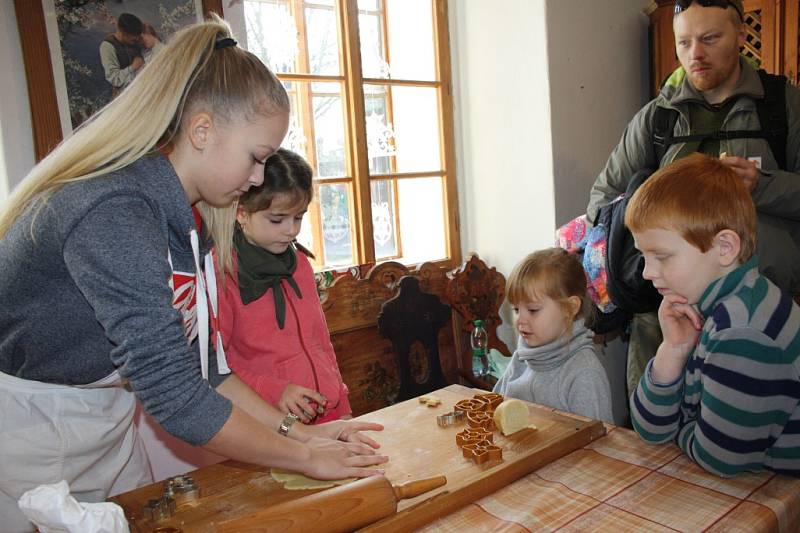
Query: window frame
[
  {"x": 358, "y": 177},
  {"x": 47, "y": 127}
]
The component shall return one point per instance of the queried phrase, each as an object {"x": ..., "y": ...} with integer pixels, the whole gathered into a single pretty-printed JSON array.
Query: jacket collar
[
  {"x": 727, "y": 285},
  {"x": 678, "y": 90}
]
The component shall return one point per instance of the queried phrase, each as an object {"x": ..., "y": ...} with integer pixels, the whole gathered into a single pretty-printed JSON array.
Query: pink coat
[{"x": 268, "y": 358}]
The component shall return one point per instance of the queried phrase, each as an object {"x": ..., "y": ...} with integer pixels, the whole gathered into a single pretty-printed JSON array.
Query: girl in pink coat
[{"x": 273, "y": 328}]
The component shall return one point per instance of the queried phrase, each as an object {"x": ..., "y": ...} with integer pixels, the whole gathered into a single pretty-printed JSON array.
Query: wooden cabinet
[
  {"x": 772, "y": 37},
  {"x": 791, "y": 40}
]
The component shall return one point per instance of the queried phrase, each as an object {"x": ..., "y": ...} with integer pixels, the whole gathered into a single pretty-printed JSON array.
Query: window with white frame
[{"x": 374, "y": 121}]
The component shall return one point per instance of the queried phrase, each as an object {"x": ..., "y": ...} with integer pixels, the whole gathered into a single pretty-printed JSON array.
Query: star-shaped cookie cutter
[
  {"x": 492, "y": 400},
  {"x": 481, "y": 419},
  {"x": 469, "y": 405},
  {"x": 472, "y": 436},
  {"x": 482, "y": 451}
]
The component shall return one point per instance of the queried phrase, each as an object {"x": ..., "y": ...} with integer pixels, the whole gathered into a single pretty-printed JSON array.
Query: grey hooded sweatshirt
[{"x": 90, "y": 294}]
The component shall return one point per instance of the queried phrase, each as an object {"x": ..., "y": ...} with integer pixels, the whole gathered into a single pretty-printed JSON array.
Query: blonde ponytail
[
  {"x": 188, "y": 73},
  {"x": 220, "y": 222}
]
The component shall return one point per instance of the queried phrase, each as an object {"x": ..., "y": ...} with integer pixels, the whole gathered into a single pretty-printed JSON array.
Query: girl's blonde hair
[
  {"x": 191, "y": 74},
  {"x": 556, "y": 274}
]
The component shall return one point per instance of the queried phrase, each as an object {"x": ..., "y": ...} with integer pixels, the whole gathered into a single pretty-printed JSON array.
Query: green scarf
[{"x": 261, "y": 270}]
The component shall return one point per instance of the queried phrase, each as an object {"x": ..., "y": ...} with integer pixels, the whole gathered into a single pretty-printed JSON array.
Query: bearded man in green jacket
[{"x": 714, "y": 90}]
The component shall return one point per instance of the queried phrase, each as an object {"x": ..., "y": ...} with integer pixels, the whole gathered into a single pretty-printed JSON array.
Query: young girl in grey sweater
[{"x": 555, "y": 363}]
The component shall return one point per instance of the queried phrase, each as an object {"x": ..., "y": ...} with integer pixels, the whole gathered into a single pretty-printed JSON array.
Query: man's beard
[{"x": 714, "y": 78}]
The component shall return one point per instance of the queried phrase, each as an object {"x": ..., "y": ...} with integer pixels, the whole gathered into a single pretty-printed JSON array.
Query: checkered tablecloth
[{"x": 619, "y": 483}]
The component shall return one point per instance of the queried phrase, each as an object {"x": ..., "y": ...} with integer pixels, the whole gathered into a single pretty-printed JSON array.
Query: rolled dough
[{"x": 295, "y": 481}]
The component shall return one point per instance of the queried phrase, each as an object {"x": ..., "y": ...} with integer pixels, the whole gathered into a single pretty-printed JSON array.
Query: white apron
[{"x": 84, "y": 435}]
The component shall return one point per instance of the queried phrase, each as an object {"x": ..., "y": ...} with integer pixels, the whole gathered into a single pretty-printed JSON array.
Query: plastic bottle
[{"x": 479, "y": 341}]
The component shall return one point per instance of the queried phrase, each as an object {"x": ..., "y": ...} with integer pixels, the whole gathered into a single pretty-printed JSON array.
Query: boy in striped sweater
[{"x": 724, "y": 382}]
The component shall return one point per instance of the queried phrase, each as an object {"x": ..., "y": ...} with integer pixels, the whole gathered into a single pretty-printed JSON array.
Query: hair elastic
[{"x": 224, "y": 43}]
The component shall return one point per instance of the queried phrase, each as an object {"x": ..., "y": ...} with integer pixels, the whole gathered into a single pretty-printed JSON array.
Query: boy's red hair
[{"x": 697, "y": 196}]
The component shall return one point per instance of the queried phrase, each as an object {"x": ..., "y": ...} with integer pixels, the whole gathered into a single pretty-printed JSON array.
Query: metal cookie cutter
[
  {"x": 160, "y": 509},
  {"x": 182, "y": 489},
  {"x": 450, "y": 419}
]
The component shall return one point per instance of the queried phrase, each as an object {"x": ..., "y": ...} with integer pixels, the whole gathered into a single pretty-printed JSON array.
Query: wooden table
[
  {"x": 619, "y": 483},
  {"x": 616, "y": 482},
  {"x": 417, "y": 448}
]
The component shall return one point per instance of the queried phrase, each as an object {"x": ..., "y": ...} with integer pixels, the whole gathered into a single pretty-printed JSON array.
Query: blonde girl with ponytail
[{"x": 108, "y": 287}]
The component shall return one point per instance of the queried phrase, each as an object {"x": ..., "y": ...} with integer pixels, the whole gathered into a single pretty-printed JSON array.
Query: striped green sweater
[{"x": 737, "y": 406}]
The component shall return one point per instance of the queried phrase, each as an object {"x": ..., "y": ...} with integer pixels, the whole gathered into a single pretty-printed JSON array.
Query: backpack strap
[
  {"x": 772, "y": 115},
  {"x": 771, "y": 112},
  {"x": 662, "y": 132}
]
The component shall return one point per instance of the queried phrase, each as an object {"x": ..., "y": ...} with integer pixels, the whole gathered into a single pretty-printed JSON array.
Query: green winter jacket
[{"x": 777, "y": 196}]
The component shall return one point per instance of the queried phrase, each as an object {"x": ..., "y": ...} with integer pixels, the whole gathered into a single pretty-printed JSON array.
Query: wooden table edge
[{"x": 448, "y": 502}]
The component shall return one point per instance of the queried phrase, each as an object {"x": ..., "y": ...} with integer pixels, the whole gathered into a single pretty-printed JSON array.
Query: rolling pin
[{"x": 343, "y": 508}]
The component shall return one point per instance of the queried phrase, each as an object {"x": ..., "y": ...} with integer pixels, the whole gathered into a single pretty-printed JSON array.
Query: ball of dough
[{"x": 511, "y": 416}]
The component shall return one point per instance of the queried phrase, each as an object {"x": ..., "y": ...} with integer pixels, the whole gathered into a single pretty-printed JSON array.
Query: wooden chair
[
  {"x": 412, "y": 320},
  {"x": 476, "y": 292},
  {"x": 368, "y": 359}
]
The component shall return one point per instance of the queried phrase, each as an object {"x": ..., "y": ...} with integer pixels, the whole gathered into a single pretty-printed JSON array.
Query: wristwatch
[{"x": 287, "y": 422}]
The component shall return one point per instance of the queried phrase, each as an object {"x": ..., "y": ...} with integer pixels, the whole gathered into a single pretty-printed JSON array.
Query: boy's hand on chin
[{"x": 680, "y": 324}]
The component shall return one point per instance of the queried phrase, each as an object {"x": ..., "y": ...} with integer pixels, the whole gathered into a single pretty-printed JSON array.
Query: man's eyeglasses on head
[{"x": 682, "y": 5}]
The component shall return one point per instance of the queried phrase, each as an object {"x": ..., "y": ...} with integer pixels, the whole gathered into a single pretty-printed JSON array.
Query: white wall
[
  {"x": 16, "y": 140},
  {"x": 598, "y": 65},
  {"x": 542, "y": 91},
  {"x": 502, "y": 128}
]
